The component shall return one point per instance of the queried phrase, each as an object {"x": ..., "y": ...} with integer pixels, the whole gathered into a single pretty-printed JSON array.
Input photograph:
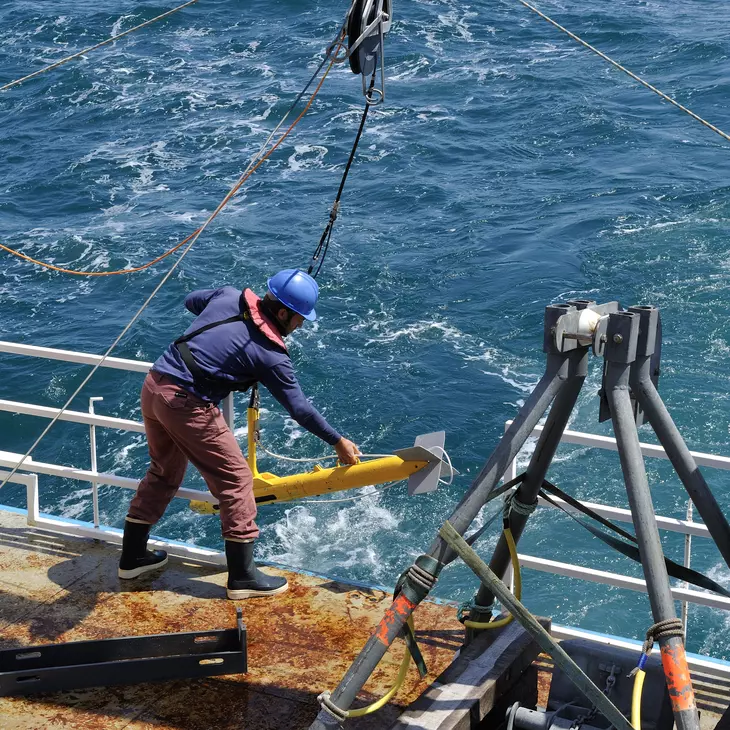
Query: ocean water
[{"x": 509, "y": 168}]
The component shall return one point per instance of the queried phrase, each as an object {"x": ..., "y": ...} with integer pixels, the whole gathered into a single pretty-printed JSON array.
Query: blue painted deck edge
[{"x": 638, "y": 644}]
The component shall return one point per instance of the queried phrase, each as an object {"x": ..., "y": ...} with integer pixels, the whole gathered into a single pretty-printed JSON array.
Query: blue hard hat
[{"x": 296, "y": 290}]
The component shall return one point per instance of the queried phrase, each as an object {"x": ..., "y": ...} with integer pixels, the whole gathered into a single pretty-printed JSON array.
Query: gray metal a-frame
[{"x": 628, "y": 342}]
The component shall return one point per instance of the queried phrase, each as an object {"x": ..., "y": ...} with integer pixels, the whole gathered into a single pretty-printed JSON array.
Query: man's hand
[{"x": 347, "y": 451}]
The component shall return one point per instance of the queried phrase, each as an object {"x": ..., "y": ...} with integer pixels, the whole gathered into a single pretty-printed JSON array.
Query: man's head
[
  {"x": 291, "y": 299},
  {"x": 286, "y": 319}
]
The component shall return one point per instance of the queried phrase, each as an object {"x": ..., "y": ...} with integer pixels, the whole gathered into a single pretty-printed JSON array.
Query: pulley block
[{"x": 367, "y": 23}]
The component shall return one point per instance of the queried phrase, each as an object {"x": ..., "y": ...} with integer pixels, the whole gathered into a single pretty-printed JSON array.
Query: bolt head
[{"x": 618, "y": 339}]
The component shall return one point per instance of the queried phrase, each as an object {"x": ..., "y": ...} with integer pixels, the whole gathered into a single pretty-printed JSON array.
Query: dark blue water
[{"x": 509, "y": 168}]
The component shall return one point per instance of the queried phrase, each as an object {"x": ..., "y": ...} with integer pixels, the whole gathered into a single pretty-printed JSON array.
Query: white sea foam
[
  {"x": 457, "y": 21},
  {"x": 306, "y": 156},
  {"x": 72, "y": 505},
  {"x": 117, "y": 27},
  {"x": 123, "y": 456},
  {"x": 412, "y": 331},
  {"x": 408, "y": 69},
  {"x": 341, "y": 536}
]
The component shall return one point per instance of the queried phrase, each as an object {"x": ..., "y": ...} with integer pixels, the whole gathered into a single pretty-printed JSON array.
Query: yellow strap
[{"x": 518, "y": 587}]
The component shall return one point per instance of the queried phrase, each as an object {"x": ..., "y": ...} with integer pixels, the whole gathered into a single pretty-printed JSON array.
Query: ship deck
[{"x": 57, "y": 589}]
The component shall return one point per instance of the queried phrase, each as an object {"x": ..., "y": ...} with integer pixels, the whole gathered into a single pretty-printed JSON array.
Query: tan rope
[
  {"x": 98, "y": 45},
  {"x": 63, "y": 270},
  {"x": 248, "y": 172},
  {"x": 118, "y": 272},
  {"x": 626, "y": 71}
]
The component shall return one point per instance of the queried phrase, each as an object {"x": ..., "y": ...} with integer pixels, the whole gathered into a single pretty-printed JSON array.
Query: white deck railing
[{"x": 31, "y": 468}]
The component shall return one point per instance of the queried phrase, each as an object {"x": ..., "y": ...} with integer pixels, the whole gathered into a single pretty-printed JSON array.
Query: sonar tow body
[{"x": 422, "y": 465}]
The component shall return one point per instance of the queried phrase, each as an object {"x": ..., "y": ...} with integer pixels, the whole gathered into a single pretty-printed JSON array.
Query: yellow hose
[
  {"x": 636, "y": 700},
  {"x": 518, "y": 586},
  {"x": 402, "y": 672}
]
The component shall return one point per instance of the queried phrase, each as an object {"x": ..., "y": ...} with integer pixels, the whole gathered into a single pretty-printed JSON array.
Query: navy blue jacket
[{"x": 239, "y": 351}]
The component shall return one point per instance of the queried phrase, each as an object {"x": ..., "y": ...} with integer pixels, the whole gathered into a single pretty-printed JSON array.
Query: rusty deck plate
[{"x": 56, "y": 589}]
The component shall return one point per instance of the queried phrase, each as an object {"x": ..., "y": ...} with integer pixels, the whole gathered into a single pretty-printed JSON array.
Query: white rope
[
  {"x": 617, "y": 65},
  {"x": 327, "y": 457},
  {"x": 186, "y": 250},
  {"x": 51, "y": 66},
  {"x": 446, "y": 458}
]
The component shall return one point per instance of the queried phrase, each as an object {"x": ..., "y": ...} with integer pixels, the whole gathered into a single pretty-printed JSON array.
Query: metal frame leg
[
  {"x": 622, "y": 336},
  {"x": 552, "y": 382},
  {"x": 547, "y": 445},
  {"x": 669, "y": 436},
  {"x": 395, "y": 618}
]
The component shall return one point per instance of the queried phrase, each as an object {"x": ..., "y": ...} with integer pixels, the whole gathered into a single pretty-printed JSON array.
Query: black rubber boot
[
  {"x": 136, "y": 558},
  {"x": 245, "y": 580}
]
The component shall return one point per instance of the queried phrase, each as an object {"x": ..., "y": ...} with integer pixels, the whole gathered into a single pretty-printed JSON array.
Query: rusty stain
[
  {"x": 676, "y": 672},
  {"x": 300, "y": 643}
]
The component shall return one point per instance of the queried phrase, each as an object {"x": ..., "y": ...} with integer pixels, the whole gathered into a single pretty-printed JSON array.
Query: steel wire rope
[
  {"x": 334, "y": 46},
  {"x": 51, "y": 66},
  {"x": 649, "y": 86},
  {"x": 169, "y": 273},
  {"x": 324, "y": 241}
]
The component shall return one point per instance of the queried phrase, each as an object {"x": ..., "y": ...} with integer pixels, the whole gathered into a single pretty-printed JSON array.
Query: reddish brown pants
[{"x": 182, "y": 428}]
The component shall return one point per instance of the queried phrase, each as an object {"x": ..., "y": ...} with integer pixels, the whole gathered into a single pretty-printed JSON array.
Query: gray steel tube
[
  {"x": 556, "y": 373},
  {"x": 616, "y": 384},
  {"x": 554, "y": 379},
  {"x": 542, "y": 457},
  {"x": 546, "y": 642},
  {"x": 680, "y": 456}
]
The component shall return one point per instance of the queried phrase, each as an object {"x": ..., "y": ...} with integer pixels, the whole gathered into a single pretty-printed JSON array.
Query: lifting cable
[
  {"x": 249, "y": 171},
  {"x": 93, "y": 48},
  {"x": 256, "y": 161},
  {"x": 366, "y": 23},
  {"x": 324, "y": 241},
  {"x": 617, "y": 65}
]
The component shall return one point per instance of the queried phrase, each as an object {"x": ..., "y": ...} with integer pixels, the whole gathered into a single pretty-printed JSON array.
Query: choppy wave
[{"x": 508, "y": 169}]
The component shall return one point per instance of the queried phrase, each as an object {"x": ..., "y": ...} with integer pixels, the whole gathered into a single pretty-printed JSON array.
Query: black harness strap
[
  {"x": 675, "y": 570},
  {"x": 200, "y": 377}
]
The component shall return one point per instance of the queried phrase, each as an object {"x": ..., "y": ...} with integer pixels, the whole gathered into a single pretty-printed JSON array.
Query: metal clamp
[{"x": 330, "y": 707}]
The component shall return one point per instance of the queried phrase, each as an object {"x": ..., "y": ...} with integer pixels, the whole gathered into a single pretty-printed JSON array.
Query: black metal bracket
[
  {"x": 649, "y": 345},
  {"x": 126, "y": 660}
]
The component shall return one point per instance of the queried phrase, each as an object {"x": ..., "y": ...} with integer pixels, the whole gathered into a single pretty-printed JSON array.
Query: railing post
[
  {"x": 31, "y": 499},
  {"x": 92, "y": 445},
  {"x": 687, "y": 561},
  {"x": 228, "y": 410}
]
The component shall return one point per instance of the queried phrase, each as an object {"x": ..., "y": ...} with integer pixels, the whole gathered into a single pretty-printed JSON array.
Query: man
[{"x": 236, "y": 340}]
